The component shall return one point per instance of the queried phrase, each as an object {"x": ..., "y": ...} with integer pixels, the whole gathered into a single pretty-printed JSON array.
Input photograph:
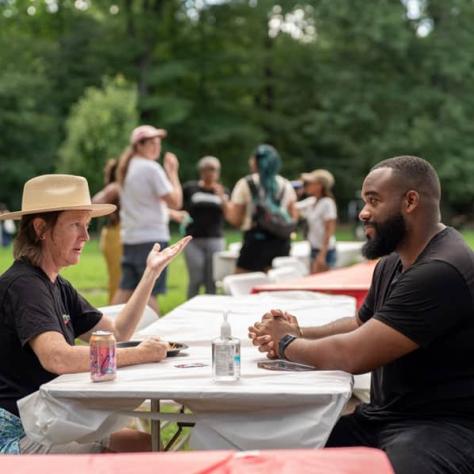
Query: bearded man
[{"x": 415, "y": 330}]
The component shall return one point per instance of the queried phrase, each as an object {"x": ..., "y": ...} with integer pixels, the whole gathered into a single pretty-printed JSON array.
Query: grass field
[{"x": 89, "y": 277}]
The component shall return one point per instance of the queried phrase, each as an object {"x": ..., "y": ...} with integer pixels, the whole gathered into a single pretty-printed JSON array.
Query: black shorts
[
  {"x": 134, "y": 264},
  {"x": 259, "y": 249}
]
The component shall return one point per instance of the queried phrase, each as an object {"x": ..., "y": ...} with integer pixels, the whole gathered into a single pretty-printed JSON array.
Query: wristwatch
[{"x": 285, "y": 341}]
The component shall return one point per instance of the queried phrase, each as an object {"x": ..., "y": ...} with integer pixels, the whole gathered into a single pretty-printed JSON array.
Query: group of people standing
[{"x": 149, "y": 194}]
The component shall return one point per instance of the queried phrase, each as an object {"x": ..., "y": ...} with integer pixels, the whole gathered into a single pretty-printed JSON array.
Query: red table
[
  {"x": 315, "y": 461},
  {"x": 354, "y": 281}
]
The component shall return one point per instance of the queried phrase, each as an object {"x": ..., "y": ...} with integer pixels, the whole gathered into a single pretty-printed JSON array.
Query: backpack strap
[
  {"x": 254, "y": 191},
  {"x": 253, "y": 187},
  {"x": 281, "y": 194}
]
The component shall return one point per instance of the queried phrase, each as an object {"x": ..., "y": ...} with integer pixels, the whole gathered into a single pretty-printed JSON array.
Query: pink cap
[{"x": 146, "y": 131}]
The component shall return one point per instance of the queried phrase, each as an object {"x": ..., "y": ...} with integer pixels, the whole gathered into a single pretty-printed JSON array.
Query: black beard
[{"x": 387, "y": 237}]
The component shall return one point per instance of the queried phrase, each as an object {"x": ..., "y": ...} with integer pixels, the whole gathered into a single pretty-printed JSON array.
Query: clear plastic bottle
[{"x": 226, "y": 355}]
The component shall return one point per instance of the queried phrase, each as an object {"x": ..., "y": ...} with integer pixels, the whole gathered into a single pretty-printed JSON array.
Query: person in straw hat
[
  {"x": 320, "y": 212},
  {"x": 41, "y": 314}
]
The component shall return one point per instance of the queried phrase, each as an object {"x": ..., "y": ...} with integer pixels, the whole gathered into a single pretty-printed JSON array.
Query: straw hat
[
  {"x": 146, "y": 131},
  {"x": 322, "y": 176},
  {"x": 57, "y": 192}
]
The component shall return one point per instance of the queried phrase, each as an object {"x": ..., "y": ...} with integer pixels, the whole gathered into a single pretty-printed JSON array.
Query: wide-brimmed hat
[
  {"x": 146, "y": 131},
  {"x": 322, "y": 176},
  {"x": 58, "y": 192}
]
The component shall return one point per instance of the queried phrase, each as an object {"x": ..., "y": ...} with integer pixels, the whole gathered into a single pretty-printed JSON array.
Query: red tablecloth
[
  {"x": 353, "y": 281},
  {"x": 317, "y": 461}
]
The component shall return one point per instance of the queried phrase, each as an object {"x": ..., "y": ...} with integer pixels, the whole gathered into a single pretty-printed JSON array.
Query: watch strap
[{"x": 285, "y": 341}]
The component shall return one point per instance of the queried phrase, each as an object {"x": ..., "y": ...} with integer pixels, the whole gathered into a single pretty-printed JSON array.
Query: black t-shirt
[
  {"x": 432, "y": 303},
  {"x": 31, "y": 304},
  {"x": 205, "y": 207}
]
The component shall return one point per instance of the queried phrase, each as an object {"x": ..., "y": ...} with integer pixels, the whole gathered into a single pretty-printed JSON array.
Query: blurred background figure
[
  {"x": 320, "y": 212},
  {"x": 110, "y": 243},
  {"x": 147, "y": 189},
  {"x": 260, "y": 247},
  {"x": 7, "y": 228},
  {"x": 204, "y": 201},
  {"x": 298, "y": 186},
  {"x": 353, "y": 210}
]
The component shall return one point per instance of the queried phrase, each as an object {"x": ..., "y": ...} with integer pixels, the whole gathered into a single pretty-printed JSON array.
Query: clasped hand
[{"x": 267, "y": 333}]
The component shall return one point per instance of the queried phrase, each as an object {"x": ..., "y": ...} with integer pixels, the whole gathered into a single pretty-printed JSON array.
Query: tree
[{"x": 98, "y": 128}]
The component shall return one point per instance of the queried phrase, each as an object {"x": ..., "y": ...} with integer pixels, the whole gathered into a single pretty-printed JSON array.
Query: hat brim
[
  {"x": 308, "y": 177},
  {"x": 160, "y": 132},
  {"x": 97, "y": 210}
]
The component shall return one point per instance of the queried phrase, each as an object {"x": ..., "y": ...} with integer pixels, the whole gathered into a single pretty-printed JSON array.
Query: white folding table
[{"x": 264, "y": 410}]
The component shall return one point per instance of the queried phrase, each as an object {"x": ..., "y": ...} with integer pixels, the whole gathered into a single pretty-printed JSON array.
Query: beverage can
[{"x": 103, "y": 361}]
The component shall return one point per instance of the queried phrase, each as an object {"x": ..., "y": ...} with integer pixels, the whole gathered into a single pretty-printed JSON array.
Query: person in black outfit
[
  {"x": 414, "y": 331},
  {"x": 204, "y": 201},
  {"x": 41, "y": 314}
]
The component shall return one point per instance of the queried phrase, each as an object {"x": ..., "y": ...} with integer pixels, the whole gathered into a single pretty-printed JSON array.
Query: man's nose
[{"x": 364, "y": 214}]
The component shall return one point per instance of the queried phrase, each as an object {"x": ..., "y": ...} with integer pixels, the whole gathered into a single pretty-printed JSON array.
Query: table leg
[{"x": 155, "y": 427}]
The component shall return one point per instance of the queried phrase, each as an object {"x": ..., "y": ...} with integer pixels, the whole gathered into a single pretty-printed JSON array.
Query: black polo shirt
[
  {"x": 432, "y": 303},
  {"x": 31, "y": 304}
]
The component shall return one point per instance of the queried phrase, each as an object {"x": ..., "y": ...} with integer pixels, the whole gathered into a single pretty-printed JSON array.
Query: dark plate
[{"x": 177, "y": 347}]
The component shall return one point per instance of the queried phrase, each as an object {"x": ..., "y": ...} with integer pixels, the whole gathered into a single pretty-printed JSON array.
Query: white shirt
[
  {"x": 317, "y": 212},
  {"x": 144, "y": 215},
  {"x": 241, "y": 194}
]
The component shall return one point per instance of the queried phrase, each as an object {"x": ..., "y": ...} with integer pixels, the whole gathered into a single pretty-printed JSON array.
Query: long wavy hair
[{"x": 124, "y": 160}]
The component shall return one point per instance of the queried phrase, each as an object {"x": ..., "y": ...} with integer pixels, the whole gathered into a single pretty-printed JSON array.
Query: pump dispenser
[{"x": 226, "y": 354}]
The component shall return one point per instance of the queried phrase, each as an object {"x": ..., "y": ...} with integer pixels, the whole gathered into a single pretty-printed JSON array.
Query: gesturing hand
[
  {"x": 170, "y": 163},
  {"x": 157, "y": 260}
]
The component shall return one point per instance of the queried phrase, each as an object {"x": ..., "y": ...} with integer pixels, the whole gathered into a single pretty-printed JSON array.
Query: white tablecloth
[
  {"x": 265, "y": 409},
  {"x": 198, "y": 320}
]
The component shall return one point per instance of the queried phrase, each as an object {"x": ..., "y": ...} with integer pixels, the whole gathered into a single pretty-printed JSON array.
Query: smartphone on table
[{"x": 284, "y": 365}]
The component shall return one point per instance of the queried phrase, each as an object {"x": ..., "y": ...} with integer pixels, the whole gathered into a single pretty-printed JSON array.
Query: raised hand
[
  {"x": 157, "y": 260},
  {"x": 170, "y": 163}
]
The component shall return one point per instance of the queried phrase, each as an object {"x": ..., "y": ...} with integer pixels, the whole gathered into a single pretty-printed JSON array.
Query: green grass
[{"x": 89, "y": 277}]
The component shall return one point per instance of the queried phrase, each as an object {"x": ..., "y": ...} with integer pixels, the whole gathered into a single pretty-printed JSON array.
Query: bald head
[{"x": 412, "y": 172}]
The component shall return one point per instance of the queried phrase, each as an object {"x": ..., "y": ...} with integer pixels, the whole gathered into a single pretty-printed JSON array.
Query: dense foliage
[{"x": 331, "y": 83}]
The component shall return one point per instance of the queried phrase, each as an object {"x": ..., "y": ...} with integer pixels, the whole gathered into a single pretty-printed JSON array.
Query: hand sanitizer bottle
[{"x": 226, "y": 355}]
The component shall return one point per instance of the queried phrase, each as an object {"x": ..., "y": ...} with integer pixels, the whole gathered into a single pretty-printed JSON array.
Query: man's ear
[{"x": 412, "y": 201}]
